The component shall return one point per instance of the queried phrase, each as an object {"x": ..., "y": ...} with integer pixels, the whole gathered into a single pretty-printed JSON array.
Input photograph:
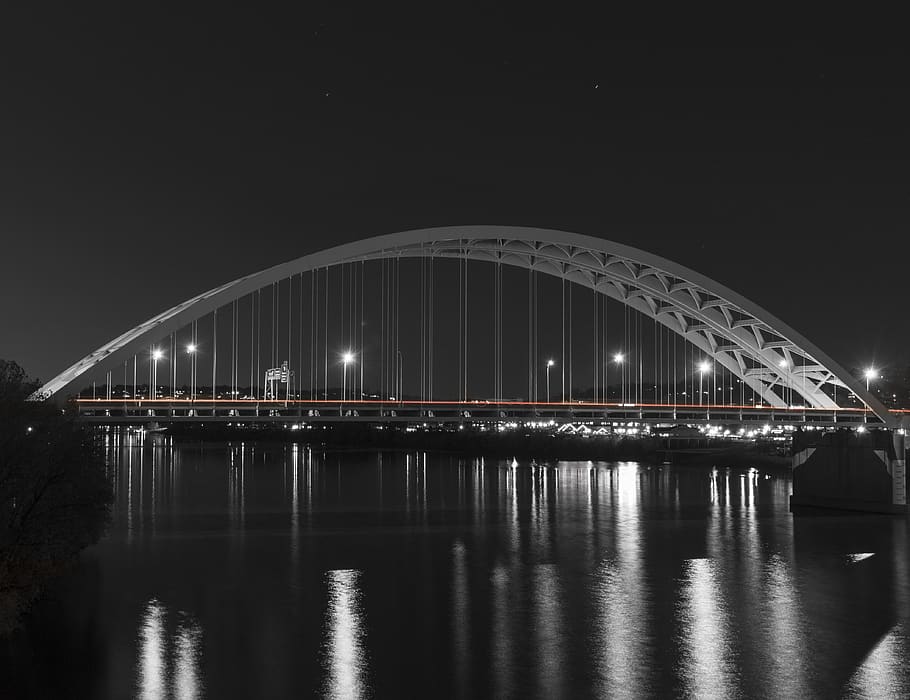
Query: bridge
[
  {"x": 293, "y": 411},
  {"x": 483, "y": 323}
]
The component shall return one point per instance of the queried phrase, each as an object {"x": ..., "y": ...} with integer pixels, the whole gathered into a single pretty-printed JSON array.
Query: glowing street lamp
[
  {"x": 784, "y": 365},
  {"x": 346, "y": 359},
  {"x": 870, "y": 374},
  {"x": 703, "y": 367},
  {"x": 550, "y": 363},
  {"x": 191, "y": 351},
  {"x": 157, "y": 354},
  {"x": 619, "y": 359}
]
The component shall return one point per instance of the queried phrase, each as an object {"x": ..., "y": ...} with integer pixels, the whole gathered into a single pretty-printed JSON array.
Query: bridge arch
[{"x": 755, "y": 346}]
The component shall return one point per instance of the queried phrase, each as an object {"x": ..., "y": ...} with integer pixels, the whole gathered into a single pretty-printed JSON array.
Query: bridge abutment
[{"x": 861, "y": 471}]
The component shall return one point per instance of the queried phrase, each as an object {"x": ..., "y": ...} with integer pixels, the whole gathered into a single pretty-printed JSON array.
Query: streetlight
[
  {"x": 346, "y": 359},
  {"x": 156, "y": 355},
  {"x": 191, "y": 351},
  {"x": 784, "y": 365},
  {"x": 550, "y": 363},
  {"x": 619, "y": 358},
  {"x": 870, "y": 374},
  {"x": 703, "y": 366}
]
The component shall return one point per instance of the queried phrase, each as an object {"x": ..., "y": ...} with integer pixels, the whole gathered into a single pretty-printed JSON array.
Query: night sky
[{"x": 146, "y": 158}]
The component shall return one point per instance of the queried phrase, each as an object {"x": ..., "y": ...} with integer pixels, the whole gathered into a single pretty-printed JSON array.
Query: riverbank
[{"x": 515, "y": 443}]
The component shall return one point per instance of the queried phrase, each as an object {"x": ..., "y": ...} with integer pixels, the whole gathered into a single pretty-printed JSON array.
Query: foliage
[{"x": 54, "y": 494}]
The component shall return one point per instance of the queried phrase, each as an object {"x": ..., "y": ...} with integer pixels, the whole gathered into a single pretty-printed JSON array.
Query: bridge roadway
[{"x": 170, "y": 410}]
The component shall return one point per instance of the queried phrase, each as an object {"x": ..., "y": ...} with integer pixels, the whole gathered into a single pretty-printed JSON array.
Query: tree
[{"x": 54, "y": 493}]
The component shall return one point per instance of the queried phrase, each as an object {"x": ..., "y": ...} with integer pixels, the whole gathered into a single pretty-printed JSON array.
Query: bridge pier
[{"x": 861, "y": 471}]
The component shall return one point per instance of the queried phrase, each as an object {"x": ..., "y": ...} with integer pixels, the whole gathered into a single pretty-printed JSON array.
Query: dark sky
[{"x": 147, "y": 157}]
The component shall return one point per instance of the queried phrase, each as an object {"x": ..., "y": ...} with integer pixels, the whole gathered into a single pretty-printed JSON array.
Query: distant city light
[{"x": 618, "y": 357}]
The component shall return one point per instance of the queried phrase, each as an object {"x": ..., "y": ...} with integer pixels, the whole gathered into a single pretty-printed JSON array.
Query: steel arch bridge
[{"x": 773, "y": 360}]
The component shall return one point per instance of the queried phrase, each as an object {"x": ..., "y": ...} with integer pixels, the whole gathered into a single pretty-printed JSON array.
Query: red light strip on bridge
[{"x": 382, "y": 402}]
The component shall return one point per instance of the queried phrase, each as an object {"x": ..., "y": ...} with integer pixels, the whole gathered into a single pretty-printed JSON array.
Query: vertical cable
[
  {"x": 397, "y": 325},
  {"x": 259, "y": 389},
  {"x": 594, "y": 354},
  {"x": 325, "y": 370},
  {"x": 570, "y": 342},
  {"x": 214, "y": 355},
  {"x": 287, "y": 388},
  {"x": 562, "y": 352},
  {"x": 361, "y": 345},
  {"x": 432, "y": 329},
  {"x": 530, "y": 337}
]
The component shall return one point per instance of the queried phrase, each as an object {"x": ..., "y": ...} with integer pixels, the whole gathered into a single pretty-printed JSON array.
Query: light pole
[
  {"x": 191, "y": 351},
  {"x": 550, "y": 363},
  {"x": 156, "y": 355},
  {"x": 346, "y": 359},
  {"x": 619, "y": 358},
  {"x": 784, "y": 365},
  {"x": 703, "y": 366},
  {"x": 870, "y": 374},
  {"x": 400, "y": 372}
]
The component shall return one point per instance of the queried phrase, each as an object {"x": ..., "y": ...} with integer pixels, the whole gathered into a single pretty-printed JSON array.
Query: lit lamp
[
  {"x": 784, "y": 365},
  {"x": 703, "y": 366},
  {"x": 550, "y": 363},
  {"x": 870, "y": 374},
  {"x": 346, "y": 359},
  {"x": 191, "y": 351},
  {"x": 619, "y": 358},
  {"x": 156, "y": 355}
]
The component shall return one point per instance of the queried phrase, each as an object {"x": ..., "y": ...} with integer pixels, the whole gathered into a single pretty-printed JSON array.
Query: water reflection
[
  {"x": 153, "y": 672},
  {"x": 549, "y": 634},
  {"x": 883, "y": 672},
  {"x": 501, "y": 633},
  {"x": 152, "y": 662},
  {"x": 461, "y": 619},
  {"x": 187, "y": 678},
  {"x": 486, "y": 578},
  {"x": 785, "y": 626},
  {"x": 621, "y": 619},
  {"x": 345, "y": 657},
  {"x": 708, "y": 665}
]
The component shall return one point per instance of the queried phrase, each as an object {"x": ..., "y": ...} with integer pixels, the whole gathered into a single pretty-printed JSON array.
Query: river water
[{"x": 252, "y": 570}]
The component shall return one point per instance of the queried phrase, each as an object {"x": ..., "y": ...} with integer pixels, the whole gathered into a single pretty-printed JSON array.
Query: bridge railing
[{"x": 325, "y": 410}]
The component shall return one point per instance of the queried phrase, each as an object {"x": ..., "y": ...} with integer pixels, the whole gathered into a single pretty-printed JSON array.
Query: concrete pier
[{"x": 850, "y": 470}]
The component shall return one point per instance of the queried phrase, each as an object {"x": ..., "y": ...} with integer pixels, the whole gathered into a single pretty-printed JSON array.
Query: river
[{"x": 273, "y": 570}]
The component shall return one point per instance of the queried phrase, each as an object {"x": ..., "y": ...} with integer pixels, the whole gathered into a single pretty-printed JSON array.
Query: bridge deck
[{"x": 169, "y": 410}]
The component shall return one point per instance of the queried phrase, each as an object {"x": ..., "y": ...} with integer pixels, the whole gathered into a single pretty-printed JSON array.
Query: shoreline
[{"x": 516, "y": 444}]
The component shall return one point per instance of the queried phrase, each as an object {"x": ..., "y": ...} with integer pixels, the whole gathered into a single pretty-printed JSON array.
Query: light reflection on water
[
  {"x": 707, "y": 665},
  {"x": 621, "y": 621},
  {"x": 242, "y": 567},
  {"x": 152, "y": 663},
  {"x": 168, "y": 665},
  {"x": 187, "y": 683},
  {"x": 882, "y": 673},
  {"x": 346, "y": 659}
]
